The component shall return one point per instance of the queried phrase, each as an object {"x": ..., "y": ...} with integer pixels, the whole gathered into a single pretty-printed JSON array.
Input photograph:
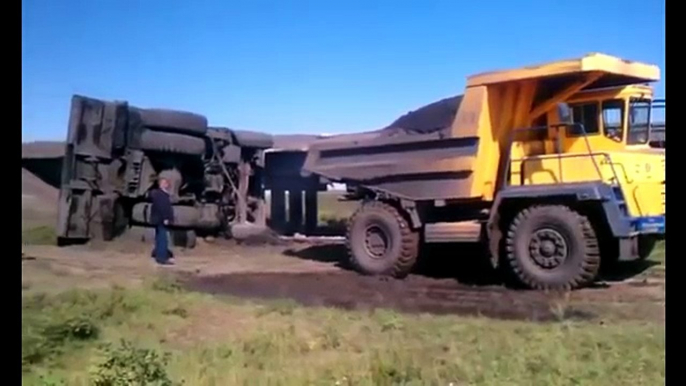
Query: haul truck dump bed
[
  {"x": 460, "y": 163},
  {"x": 515, "y": 146}
]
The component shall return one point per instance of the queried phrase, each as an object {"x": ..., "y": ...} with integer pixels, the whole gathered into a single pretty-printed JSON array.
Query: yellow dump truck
[{"x": 549, "y": 166}]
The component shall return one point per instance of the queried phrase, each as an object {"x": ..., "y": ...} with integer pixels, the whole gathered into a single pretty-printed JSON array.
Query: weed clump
[
  {"x": 50, "y": 324},
  {"x": 127, "y": 364},
  {"x": 167, "y": 284},
  {"x": 46, "y": 338}
]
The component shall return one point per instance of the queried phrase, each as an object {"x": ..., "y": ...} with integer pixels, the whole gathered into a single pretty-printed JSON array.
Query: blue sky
[{"x": 295, "y": 66}]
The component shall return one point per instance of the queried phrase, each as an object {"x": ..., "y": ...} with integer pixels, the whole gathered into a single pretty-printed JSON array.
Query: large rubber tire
[
  {"x": 171, "y": 143},
  {"x": 381, "y": 242},
  {"x": 184, "y": 216},
  {"x": 184, "y": 238},
  {"x": 173, "y": 120},
  {"x": 552, "y": 248}
]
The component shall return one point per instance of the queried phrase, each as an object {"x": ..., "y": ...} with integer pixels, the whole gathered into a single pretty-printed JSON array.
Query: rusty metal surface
[{"x": 417, "y": 167}]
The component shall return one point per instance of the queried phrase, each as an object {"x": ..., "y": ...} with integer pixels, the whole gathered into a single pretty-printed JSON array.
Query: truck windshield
[
  {"x": 639, "y": 121},
  {"x": 657, "y": 123}
]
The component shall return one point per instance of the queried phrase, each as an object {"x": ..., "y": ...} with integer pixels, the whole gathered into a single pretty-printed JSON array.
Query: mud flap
[{"x": 628, "y": 249}]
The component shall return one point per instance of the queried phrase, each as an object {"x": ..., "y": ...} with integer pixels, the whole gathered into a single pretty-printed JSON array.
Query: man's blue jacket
[{"x": 161, "y": 207}]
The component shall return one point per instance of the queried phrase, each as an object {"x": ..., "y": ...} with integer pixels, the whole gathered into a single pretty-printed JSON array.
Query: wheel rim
[
  {"x": 548, "y": 248},
  {"x": 376, "y": 242}
]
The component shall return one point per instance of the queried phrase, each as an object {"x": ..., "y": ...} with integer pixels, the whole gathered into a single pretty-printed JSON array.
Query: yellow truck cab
[
  {"x": 621, "y": 115},
  {"x": 550, "y": 166},
  {"x": 614, "y": 125},
  {"x": 621, "y": 127}
]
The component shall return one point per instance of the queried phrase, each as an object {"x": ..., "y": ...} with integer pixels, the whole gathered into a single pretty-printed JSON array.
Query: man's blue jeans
[{"x": 161, "y": 244}]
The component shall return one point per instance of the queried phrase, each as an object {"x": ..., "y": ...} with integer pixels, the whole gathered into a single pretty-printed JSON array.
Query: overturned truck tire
[
  {"x": 184, "y": 238},
  {"x": 172, "y": 120},
  {"x": 185, "y": 217},
  {"x": 171, "y": 143},
  {"x": 381, "y": 241}
]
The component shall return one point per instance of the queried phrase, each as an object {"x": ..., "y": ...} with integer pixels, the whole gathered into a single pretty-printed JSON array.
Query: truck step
[
  {"x": 619, "y": 198},
  {"x": 453, "y": 232}
]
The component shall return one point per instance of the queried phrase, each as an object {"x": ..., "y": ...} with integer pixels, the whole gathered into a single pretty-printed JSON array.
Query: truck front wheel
[
  {"x": 381, "y": 242},
  {"x": 552, "y": 247}
]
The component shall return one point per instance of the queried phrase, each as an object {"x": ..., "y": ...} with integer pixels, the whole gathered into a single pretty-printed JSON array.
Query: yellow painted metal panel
[{"x": 592, "y": 62}]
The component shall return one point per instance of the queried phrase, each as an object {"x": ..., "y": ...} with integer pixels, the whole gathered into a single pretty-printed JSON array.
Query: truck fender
[{"x": 619, "y": 224}]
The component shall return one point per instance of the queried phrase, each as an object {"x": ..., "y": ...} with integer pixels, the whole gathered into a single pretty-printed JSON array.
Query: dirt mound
[
  {"x": 42, "y": 149},
  {"x": 33, "y": 186},
  {"x": 436, "y": 116},
  {"x": 38, "y": 199}
]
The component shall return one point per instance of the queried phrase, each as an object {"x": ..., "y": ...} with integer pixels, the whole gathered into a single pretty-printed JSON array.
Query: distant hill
[
  {"x": 426, "y": 119},
  {"x": 436, "y": 116}
]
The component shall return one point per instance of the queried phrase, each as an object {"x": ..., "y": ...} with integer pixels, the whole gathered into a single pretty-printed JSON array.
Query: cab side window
[
  {"x": 613, "y": 119},
  {"x": 587, "y": 115}
]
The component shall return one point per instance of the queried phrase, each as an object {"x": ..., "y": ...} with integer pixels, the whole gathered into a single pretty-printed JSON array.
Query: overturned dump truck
[
  {"x": 550, "y": 167},
  {"x": 115, "y": 154}
]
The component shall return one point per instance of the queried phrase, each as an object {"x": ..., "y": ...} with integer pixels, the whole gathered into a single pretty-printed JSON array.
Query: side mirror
[{"x": 564, "y": 113}]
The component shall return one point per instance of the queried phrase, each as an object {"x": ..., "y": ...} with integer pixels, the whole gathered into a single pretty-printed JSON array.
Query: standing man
[{"x": 161, "y": 215}]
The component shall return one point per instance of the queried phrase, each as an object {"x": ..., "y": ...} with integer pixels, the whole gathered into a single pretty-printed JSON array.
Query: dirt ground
[{"x": 311, "y": 274}]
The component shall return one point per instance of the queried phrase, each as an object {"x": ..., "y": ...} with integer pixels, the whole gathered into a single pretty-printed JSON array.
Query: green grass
[
  {"x": 330, "y": 209},
  {"x": 39, "y": 235},
  {"x": 658, "y": 254},
  {"x": 161, "y": 335},
  {"x": 171, "y": 336}
]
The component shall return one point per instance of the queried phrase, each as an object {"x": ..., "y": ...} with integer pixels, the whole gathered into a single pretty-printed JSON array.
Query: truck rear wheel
[
  {"x": 552, "y": 247},
  {"x": 381, "y": 241}
]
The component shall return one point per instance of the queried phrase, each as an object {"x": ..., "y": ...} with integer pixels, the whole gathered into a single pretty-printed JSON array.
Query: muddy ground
[{"x": 312, "y": 275}]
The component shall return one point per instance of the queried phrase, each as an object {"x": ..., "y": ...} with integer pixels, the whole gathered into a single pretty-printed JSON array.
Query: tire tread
[
  {"x": 591, "y": 261},
  {"x": 409, "y": 241}
]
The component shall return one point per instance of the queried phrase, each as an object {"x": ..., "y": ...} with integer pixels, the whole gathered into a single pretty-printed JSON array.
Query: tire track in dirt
[{"x": 415, "y": 294}]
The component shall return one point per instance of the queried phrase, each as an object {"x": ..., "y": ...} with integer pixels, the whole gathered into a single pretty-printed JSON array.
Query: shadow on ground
[
  {"x": 327, "y": 228},
  {"x": 472, "y": 267},
  {"x": 622, "y": 271},
  {"x": 455, "y": 279},
  {"x": 468, "y": 264}
]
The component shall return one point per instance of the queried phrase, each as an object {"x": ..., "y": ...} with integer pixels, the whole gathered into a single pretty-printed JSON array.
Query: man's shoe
[
  {"x": 169, "y": 253},
  {"x": 167, "y": 262}
]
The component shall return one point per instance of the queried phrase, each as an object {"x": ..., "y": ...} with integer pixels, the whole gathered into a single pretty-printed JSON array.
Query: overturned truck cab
[{"x": 115, "y": 153}]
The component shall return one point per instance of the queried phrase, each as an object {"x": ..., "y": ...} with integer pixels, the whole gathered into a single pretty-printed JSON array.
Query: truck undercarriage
[{"x": 115, "y": 153}]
